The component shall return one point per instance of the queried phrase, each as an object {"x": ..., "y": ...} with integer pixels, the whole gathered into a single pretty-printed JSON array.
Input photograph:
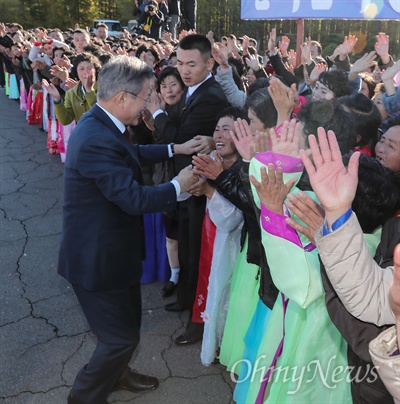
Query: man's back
[{"x": 103, "y": 203}]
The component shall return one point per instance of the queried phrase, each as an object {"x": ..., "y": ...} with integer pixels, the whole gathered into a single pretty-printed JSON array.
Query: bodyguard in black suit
[
  {"x": 102, "y": 236},
  {"x": 200, "y": 105}
]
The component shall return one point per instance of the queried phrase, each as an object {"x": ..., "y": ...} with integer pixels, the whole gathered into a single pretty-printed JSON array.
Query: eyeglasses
[{"x": 148, "y": 100}]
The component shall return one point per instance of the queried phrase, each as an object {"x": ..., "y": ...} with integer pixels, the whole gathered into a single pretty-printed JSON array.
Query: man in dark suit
[
  {"x": 102, "y": 236},
  {"x": 200, "y": 105}
]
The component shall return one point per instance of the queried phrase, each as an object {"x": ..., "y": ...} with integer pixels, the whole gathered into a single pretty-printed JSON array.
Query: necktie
[
  {"x": 187, "y": 97},
  {"x": 127, "y": 135}
]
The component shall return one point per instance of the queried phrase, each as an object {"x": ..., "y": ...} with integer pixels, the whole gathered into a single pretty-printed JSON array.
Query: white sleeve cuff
[
  {"x": 175, "y": 183},
  {"x": 158, "y": 112}
]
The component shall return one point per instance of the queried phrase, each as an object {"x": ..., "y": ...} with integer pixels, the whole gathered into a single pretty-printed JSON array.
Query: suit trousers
[
  {"x": 190, "y": 12},
  {"x": 190, "y": 217},
  {"x": 114, "y": 317}
]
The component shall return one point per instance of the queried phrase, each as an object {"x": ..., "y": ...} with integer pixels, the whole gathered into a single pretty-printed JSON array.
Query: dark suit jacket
[
  {"x": 198, "y": 117},
  {"x": 102, "y": 236}
]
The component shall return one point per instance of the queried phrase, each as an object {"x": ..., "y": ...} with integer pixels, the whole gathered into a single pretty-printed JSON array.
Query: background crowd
[{"x": 272, "y": 253}]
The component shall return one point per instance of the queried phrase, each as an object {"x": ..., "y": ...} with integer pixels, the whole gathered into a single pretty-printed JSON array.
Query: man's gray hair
[{"x": 122, "y": 73}]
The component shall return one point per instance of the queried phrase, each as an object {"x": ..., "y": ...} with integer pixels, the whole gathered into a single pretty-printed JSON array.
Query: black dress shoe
[
  {"x": 73, "y": 400},
  {"x": 188, "y": 339},
  {"x": 168, "y": 289},
  {"x": 137, "y": 382},
  {"x": 174, "y": 307}
]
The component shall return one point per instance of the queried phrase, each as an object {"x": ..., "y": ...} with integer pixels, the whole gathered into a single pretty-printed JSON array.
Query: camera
[{"x": 150, "y": 8}]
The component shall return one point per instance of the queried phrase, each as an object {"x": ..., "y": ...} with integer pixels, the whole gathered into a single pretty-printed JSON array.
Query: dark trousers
[
  {"x": 114, "y": 317},
  {"x": 190, "y": 12},
  {"x": 190, "y": 218}
]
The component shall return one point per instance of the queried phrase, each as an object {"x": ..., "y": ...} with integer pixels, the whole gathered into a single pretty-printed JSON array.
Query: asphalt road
[{"x": 44, "y": 338}]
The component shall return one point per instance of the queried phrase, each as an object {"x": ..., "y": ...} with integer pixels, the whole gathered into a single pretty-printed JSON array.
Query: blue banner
[{"x": 344, "y": 9}]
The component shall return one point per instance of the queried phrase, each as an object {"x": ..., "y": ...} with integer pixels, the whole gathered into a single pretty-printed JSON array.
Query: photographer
[{"x": 151, "y": 20}]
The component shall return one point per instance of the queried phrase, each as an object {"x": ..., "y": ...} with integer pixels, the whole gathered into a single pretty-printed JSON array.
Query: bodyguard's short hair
[
  {"x": 122, "y": 73},
  {"x": 196, "y": 41}
]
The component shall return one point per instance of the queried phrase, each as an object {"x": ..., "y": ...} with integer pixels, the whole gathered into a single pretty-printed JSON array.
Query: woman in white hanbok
[{"x": 227, "y": 220}]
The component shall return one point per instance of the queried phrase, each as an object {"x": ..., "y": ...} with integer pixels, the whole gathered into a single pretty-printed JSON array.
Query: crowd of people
[{"x": 269, "y": 197}]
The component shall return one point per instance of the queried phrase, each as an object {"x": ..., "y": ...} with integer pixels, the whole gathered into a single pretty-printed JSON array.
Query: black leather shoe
[
  {"x": 188, "y": 339},
  {"x": 168, "y": 289},
  {"x": 73, "y": 400},
  {"x": 137, "y": 382},
  {"x": 174, "y": 307}
]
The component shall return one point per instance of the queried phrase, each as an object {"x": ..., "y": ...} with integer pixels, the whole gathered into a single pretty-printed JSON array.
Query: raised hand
[
  {"x": 89, "y": 81},
  {"x": 252, "y": 62},
  {"x": 2, "y": 29},
  {"x": 388, "y": 78},
  {"x": 306, "y": 51},
  {"x": 382, "y": 47},
  {"x": 51, "y": 89},
  {"x": 289, "y": 140},
  {"x": 272, "y": 41},
  {"x": 210, "y": 37},
  {"x": 155, "y": 102},
  {"x": 362, "y": 64},
  {"x": 59, "y": 72},
  {"x": 272, "y": 191},
  {"x": 147, "y": 118},
  {"x": 182, "y": 34},
  {"x": 206, "y": 166},
  {"x": 390, "y": 72},
  {"x": 233, "y": 46},
  {"x": 245, "y": 43},
  {"x": 167, "y": 36},
  {"x": 347, "y": 46},
  {"x": 283, "y": 98},
  {"x": 283, "y": 45},
  {"x": 318, "y": 69},
  {"x": 334, "y": 184},
  {"x": 220, "y": 54},
  {"x": 242, "y": 137},
  {"x": 167, "y": 51},
  {"x": 161, "y": 51},
  {"x": 122, "y": 51},
  {"x": 292, "y": 57},
  {"x": 307, "y": 210}
]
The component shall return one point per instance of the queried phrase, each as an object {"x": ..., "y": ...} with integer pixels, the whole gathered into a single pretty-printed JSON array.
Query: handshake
[{"x": 186, "y": 178}]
